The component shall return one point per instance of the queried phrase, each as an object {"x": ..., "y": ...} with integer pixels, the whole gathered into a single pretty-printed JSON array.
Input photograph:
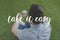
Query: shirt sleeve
[
  {"x": 46, "y": 32},
  {"x": 26, "y": 35},
  {"x": 23, "y": 31}
]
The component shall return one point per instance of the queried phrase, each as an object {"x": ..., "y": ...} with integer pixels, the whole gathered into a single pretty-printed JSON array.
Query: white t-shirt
[{"x": 35, "y": 32}]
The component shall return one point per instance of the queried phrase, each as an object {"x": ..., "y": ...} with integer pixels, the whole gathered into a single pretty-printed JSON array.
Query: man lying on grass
[{"x": 33, "y": 30}]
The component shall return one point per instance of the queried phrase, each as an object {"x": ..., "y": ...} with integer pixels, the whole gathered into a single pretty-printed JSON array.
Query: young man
[{"x": 35, "y": 30}]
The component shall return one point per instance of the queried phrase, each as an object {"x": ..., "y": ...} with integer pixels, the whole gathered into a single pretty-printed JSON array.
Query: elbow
[{"x": 12, "y": 30}]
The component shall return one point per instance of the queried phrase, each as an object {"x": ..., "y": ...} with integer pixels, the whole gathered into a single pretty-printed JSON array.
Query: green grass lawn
[{"x": 12, "y": 7}]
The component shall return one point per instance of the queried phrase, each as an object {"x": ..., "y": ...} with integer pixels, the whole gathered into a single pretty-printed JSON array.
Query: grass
[{"x": 12, "y": 7}]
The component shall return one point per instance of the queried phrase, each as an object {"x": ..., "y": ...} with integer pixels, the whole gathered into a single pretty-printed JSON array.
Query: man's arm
[
  {"x": 15, "y": 28},
  {"x": 16, "y": 24}
]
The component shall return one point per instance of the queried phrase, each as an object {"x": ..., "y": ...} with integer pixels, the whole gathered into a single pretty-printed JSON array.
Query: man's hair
[{"x": 36, "y": 11}]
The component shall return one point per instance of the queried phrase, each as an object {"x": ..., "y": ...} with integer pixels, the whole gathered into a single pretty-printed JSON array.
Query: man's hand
[
  {"x": 46, "y": 19},
  {"x": 23, "y": 14}
]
